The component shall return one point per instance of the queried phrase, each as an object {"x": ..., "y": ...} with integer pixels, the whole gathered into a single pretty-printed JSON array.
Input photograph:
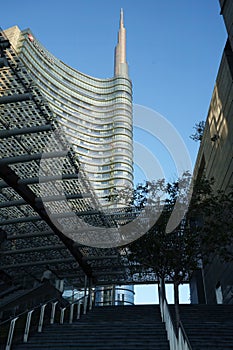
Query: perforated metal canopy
[{"x": 42, "y": 185}]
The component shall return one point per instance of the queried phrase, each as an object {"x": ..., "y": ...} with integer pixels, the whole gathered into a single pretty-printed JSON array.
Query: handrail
[
  {"x": 177, "y": 341},
  {"x": 77, "y": 300},
  {"x": 26, "y": 311},
  {"x": 166, "y": 318},
  {"x": 13, "y": 320},
  {"x": 34, "y": 308},
  {"x": 86, "y": 300},
  {"x": 28, "y": 298},
  {"x": 10, "y": 333},
  {"x": 184, "y": 334}
]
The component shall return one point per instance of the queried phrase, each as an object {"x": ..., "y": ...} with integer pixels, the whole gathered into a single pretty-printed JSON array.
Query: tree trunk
[
  {"x": 176, "y": 301},
  {"x": 162, "y": 290}
]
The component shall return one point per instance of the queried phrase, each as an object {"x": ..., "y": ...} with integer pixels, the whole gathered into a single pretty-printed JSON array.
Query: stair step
[
  {"x": 207, "y": 326},
  {"x": 105, "y": 328}
]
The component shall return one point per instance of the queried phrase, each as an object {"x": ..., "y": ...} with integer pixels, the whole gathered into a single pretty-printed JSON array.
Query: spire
[
  {"x": 121, "y": 66},
  {"x": 122, "y": 19}
]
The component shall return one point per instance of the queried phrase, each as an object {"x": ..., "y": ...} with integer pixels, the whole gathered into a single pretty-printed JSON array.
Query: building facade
[
  {"x": 215, "y": 160},
  {"x": 114, "y": 295},
  {"x": 95, "y": 114}
]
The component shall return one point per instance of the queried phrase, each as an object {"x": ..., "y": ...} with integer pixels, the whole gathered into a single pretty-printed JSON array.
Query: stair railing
[
  {"x": 82, "y": 305},
  {"x": 177, "y": 340},
  {"x": 10, "y": 334},
  {"x": 67, "y": 312},
  {"x": 12, "y": 323}
]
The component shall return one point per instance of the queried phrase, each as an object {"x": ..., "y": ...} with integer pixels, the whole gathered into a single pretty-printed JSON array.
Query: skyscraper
[{"x": 95, "y": 114}]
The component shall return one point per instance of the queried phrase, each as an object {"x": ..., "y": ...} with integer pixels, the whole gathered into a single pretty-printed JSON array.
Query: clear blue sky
[
  {"x": 148, "y": 294},
  {"x": 174, "y": 48}
]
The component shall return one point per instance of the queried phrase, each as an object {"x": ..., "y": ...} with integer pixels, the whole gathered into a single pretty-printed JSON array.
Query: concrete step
[
  {"x": 207, "y": 326},
  {"x": 96, "y": 345},
  {"x": 106, "y": 328}
]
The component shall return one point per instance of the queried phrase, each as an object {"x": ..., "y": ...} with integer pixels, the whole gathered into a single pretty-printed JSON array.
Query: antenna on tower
[
  {"x": 121, "y": 67},
  {"x": 122, "y": 18}
]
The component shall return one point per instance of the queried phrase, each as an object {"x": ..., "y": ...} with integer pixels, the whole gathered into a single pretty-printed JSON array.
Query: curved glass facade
[
  {"x": 95, "y": 114},
  {"x": 114, "y": 295}
]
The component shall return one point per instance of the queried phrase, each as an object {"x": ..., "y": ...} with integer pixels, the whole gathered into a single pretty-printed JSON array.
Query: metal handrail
[
  {"x": 11, "y": 333},
  {"x": 178, "y": 341},
  {"x": 26, "y": 311},
  {"x": 13, "y": 320},
  {"x": 166, "y": 318},
  {"x": 27, "y": 327},
  {"x": 83, "y": 300},
  {"x": 86, "y": 300},
  {"x": 184, "y": 334}
]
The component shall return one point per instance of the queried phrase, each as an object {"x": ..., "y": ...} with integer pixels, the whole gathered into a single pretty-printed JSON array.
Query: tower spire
[
  {"x": 121, "y": 66},
  {"x": 122, "y": 18}
]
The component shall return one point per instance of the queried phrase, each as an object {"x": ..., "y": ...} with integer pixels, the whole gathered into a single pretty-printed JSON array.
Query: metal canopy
[{"x": 31, "y": 236}]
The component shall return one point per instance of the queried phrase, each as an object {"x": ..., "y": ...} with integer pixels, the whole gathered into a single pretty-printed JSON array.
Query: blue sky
[
  {"x": 174, "y": 48},
  {"x": 149, "y": 294}
]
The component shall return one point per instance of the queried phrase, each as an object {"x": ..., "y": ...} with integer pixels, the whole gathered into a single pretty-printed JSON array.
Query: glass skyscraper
[
  {"x": 96, "y": 117},
  {"x": 114, "y": 295},
  {"x": 95, "y": 114}
]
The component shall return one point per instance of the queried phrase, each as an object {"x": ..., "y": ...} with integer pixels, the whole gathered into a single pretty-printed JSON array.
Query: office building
[
  {"x": 114, "y": 295},
  {"x": 215, "y": 159},
  {"x": 95, "y": 114}
]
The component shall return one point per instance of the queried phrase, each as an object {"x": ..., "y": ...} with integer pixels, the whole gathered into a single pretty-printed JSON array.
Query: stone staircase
[
  {"x": 207, "y": 326},
  {"x": 119, "y": 327}
]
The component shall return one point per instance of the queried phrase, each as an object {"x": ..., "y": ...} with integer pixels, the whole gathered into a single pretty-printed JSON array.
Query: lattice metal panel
[
  {"x": 29, "y": 130},
  {"x": 34, "y": 248}
]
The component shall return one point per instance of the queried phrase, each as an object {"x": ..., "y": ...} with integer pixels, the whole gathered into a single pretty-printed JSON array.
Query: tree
[
  {"x": 171, "y": 256},
  {"x": 199, "y": 129},
  {"x": 202, "y": 232}
]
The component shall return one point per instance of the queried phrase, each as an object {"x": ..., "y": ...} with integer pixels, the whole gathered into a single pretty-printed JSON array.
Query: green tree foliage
[
  {"x": 206, "y": 229},
  {"x": 199, "y": 129}
]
